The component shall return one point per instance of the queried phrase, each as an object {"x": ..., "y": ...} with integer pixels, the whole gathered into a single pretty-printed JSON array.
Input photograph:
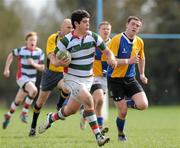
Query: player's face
[
  {"x": 84, "y": 25},
  {"x": 133, "y": 27},
  {"x": 66, "y": 28},
  {"x": 105, "y": 31},
  {"x": 31, "y": 42}
]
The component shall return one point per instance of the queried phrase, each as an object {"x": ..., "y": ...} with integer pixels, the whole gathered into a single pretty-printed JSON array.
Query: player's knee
[
  {"x": 33, "y": 93},
  {"x": 99, "y": 102},
  {"x": 143, "y": 106},
  {"x": 123, "y": 115}
]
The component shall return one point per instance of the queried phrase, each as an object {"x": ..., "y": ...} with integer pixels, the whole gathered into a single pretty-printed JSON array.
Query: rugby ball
[{"x": 63, "y": 55}]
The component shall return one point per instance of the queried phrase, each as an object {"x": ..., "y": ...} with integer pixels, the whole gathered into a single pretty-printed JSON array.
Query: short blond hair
[
  {"x": 29, "y": 34},
  {"x": 104, "y": 23}
]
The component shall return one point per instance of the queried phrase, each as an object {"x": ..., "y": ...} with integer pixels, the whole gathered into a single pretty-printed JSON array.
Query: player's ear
[{"x": 76, "y": 23}]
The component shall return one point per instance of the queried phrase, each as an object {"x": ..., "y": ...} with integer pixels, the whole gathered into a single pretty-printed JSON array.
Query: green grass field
[{"x": 157, "y": 127}]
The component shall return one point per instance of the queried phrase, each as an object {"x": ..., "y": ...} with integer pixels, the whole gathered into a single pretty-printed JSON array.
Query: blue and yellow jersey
[
  {"x": 51, "y": 45},
  {"x": 123, "y": 48},
  {"x": 100, "y": 65}
]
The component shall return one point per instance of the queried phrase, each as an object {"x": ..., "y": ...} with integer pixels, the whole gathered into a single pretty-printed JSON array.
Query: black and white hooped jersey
[{"x": 24, "y": 68}]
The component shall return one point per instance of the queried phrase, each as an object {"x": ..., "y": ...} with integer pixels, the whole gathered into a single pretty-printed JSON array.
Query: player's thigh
[
  {"x": 79, "y": 88},
  {"x": 61, "y": 85},
  {"x": 98, "y": 96},
  {"x": 31, "y": 88},
  {"x": 20, "y": 96},
  {"x": 140, "y": 100}
]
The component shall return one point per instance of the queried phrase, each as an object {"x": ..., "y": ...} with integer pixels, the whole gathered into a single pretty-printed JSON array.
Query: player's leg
[
  {"x": 31, "y": 89},
  {"x": 42, "y": 98},
  {"x": 63, "y": 95},
  {"x": 77, "y": 91},
  {"x": 49, "y": 81},
  {"x": 117, "y": 91},
  {"x": 98, "y": 93},
  {"x": 25, "y": 110},
  {"x": 140, "y": 100},
  {"x": 121, "y": 119},
  {"x": 90, "y": 115},
  {"x": 18, "y": 99},
  {"x": 64, "y": 112},
  {"x": 98, "y": 96},
  {"x": 138, "y": 97}
]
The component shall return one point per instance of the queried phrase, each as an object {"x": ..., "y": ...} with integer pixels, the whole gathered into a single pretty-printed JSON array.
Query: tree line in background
[{"x": 159, "y": 16}]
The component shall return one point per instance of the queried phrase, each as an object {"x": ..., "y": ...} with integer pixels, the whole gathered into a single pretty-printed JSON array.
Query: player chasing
[
  {"x": 99, "y": 87},
  {"x": 30, "y": 59},
  {"x": 51, "y": 76},
  {"x": 129, "y": 50},
  {"x": 78, "y": 79}
]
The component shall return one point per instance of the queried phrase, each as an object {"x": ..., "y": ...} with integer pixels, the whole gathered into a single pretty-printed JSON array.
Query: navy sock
[
  {"x": 100, "y": 121},
  {"x": 120, "y": 125}
]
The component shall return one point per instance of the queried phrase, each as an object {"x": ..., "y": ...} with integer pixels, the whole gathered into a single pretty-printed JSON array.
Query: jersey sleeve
[
  {"x": 61, "y": 45},
  {"x": 41, "y": 60},
  {"x": 99, "y": 41},
  {"x": 51, "y": 44},
  {"x": 16, "y": 51},
  {"x": 141, "y": 51}
]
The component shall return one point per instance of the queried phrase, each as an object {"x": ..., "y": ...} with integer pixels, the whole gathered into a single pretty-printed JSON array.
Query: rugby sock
[
  {"x": 12, "y": 109},
  {"x": 27, "y": 105},
  {"x": 36, "y": 113},
  {"x": 131, "y": 104},
  {"x": 100, "y": 121},
  {"x": 120, "y": 125},
  {"x": 59, "y": 115},
  {"x": 92, "y": 120},
  {"x": 62, "y": 98}
]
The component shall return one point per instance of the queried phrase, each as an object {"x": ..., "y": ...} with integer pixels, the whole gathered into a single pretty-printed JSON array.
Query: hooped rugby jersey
[
  {"x": 24, "y": 68},
  {"x": 82, "y": 52},
  {"x": 123, "y": 48},
  {"x": 100, "y": 63}
]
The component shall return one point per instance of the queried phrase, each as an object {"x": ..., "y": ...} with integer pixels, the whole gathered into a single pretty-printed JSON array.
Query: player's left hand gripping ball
[{"x": 64, "y": 56}]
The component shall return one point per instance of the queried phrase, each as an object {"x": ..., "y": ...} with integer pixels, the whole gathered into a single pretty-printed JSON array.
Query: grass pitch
[{"x": 157, "y": 127}]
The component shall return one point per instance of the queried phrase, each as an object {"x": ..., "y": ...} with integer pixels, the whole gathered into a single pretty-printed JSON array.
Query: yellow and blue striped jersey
[
  {"x": 123, "y": 48},
  {"x": 51, "y": 45},
  {"x": 100, "y": 65}
]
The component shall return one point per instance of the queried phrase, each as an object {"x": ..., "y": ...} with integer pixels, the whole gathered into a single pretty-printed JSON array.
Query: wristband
[
  {"x": 126, "y": 61},
  {"x": 142, "y": 75}
]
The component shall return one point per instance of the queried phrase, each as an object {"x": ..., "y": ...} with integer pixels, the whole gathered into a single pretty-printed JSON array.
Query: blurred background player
[
  {"x": 30, "y": 59},
  {"x": 78, "y": 79},
  {"x": 129, "y": 51},
  {"x": 52, "y": 74},
  {"x": 99, "y": 87}
]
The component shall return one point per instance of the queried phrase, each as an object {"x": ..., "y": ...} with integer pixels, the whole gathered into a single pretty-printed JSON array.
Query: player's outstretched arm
[
  {"x": 111, "y": 60},
  {"x": 9, "y": 60}
]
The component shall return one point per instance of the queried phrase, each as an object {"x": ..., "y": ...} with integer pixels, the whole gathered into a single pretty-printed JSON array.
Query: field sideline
[{"x": 157, "y": 127}]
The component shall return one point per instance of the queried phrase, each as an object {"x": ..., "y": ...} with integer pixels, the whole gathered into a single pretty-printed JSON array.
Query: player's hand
[
  {"x": 134, "y": 60},
  {"x": 62, "y": 62},
  {"x": 113, "y": 63},
  {"x": 6, "y": 73},
  {"x": 143, "y": 78},
  {"x": 30, "y": 61}
]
